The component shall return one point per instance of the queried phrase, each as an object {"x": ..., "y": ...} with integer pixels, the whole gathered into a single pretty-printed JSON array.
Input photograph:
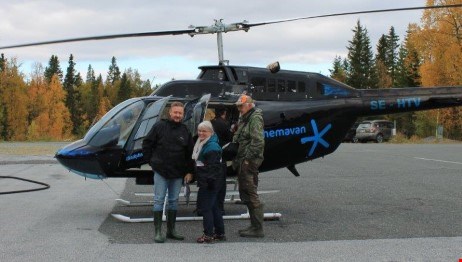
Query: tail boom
[{"x": 399, "y": 100}]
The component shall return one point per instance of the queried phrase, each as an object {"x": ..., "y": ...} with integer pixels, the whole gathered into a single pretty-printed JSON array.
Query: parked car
[
  {"x": 351, "y": 135},
  {"x": 374, "y": 130}
]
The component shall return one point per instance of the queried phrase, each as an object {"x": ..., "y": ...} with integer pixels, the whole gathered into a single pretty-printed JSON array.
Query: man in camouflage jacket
[{"x": 249, "y": 158}]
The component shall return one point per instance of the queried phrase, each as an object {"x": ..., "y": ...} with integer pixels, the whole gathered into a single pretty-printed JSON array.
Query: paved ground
[{"x": 364, "y": 202}]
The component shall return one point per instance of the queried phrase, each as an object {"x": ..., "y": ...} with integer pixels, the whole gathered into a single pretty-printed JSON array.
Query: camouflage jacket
[{"x": 250, "y": 137}]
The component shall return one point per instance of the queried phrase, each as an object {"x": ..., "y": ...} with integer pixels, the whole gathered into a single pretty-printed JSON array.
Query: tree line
[
  {"x": 51, "y": 105},
  {"x": 430, "y": 55}
]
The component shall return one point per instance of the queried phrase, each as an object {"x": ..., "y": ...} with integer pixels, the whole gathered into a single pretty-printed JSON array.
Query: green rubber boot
[
  {"x": 158, "y": 238},
  {"x": 257, "y": 219},
  {"x": 171, "y": 219},
  {"x": 252, "y": 222}
]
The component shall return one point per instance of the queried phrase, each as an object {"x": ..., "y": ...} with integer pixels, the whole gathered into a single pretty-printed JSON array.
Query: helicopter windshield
[{"x": 123, "y": 116}]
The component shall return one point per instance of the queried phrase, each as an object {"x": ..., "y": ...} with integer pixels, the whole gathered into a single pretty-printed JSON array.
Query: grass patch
[
  {"x": 30, "y": 148},
  {"x": 402, "y": 139}
]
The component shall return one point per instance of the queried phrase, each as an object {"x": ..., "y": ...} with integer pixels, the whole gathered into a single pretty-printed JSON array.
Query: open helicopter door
[
  {"x": 134, "y": 148},
  {"x": 194, "y": 113}
]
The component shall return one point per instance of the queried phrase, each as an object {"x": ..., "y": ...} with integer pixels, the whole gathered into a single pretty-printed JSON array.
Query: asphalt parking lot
[
  {"x": 365, "y": 201},
  {"x": 365, "y": 191}
]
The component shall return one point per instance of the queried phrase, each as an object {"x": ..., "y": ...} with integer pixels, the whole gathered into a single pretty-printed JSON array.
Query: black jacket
[
  {"x": 222, "y": 129},
  {"x": 168, "y": 148}
]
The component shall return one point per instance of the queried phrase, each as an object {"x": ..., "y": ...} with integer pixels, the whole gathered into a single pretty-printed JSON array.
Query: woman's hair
[{"x": 206, "y": 125}]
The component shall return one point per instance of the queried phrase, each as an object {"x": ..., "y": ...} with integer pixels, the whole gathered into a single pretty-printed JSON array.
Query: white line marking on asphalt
[{"x": 437, "y": 160}]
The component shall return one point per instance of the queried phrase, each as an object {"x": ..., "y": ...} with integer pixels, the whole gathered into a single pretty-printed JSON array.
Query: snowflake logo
[{"x": 317, "y": 137}]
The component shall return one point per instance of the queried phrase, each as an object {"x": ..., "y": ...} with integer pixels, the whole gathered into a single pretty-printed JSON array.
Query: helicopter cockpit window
[
  {"x": 271, "y": 85},
  {"x": 122, "y": 124},
  {"x": 214, "y": 74},
  {"x": 331, "y": 90},
  {"x": 191, "y": 90},
  {"x": 108, "y": 117},
  {"x": 291, "y": 86},
  {"x": 301, "y": 87},
  {"x": 259, "y": 83},
  {"x": 240, "y": 75},
  {"x": 150, "y": 117},
  {"x": 281, "y": 86}
]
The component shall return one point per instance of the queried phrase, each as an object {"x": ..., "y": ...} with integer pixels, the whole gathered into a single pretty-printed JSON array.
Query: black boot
[
  {"x": 158, "y": 238},
  {"x": 257, "y": 230},
  {"x": 171, "y": 219}
]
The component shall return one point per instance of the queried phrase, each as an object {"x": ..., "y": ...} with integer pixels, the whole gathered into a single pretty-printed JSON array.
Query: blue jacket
[{"x": 212, "y": 171}]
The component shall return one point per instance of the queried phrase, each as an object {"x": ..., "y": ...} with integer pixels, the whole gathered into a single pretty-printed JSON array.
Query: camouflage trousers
[{"x": 248, "y": 182}]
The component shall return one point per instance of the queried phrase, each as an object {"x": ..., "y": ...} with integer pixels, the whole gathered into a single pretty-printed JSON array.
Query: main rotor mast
[{"x": 219, "y": 27}]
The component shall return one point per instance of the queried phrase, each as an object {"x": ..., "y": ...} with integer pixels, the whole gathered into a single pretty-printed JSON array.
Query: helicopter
[{"x": 306, "y": 114}]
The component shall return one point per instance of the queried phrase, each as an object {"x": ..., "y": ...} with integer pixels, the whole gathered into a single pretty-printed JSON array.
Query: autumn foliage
[
  {"x": 40, "y": 108},
  {"x": 430, "y": 55}
]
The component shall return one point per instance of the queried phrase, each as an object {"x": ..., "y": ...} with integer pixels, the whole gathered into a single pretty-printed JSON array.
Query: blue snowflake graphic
[{"x": 317, "y": 137}]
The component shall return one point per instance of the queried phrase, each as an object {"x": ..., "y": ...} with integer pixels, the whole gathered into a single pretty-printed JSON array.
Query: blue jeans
[
  {"x": 161, "y": 185},
  {"x": 207, "y": 203}
]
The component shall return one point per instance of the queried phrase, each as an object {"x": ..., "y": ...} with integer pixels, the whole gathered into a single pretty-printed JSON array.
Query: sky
[{"x": 306, "y": 45}]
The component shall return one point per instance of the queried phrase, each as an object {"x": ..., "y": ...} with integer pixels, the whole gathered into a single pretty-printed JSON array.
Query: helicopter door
[
  {"x": 194, "y": 112},
  {"x": 134, "y": 148}
]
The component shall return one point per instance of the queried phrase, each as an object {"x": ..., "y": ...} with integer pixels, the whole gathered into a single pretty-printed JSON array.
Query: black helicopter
[{"x": 306, "y": 114}]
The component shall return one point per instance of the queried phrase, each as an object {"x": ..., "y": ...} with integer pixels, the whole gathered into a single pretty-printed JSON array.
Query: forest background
[{"x": 50, "y": 105}]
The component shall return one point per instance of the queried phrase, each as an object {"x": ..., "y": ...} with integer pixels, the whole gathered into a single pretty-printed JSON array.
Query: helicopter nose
[{"x": 81, "y": 159}]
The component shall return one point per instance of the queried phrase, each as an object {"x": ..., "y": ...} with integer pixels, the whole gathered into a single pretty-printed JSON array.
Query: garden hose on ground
[{"x": 45, "y": 186}]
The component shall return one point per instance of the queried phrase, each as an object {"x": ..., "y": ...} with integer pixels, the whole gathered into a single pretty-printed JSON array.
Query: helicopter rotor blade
[
  {"x": 103, "y": 37},
  {"x": 354, "y": 13},
  {"x": 220, "y": 27}
]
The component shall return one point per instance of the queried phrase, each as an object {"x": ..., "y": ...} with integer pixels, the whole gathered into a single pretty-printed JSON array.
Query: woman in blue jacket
[{"x": 209, "y": 173}]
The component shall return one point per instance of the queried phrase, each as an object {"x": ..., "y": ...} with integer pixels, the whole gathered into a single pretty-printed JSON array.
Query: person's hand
[{"x": 188, "y": 178}]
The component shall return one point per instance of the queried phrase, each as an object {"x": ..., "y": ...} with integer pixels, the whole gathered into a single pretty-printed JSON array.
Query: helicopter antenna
[{"x": 219, "y": 28}]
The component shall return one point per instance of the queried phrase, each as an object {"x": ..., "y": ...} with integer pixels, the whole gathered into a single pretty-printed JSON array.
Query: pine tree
[
  {"x": 68, "y": 85},
  {"x": 408, "y": 65},
  {"x": 125, "y": 89},
  {"x": 383, "y": 75},
  {"x": 361, "y": 72},
  {"x": 339, "y": 71},
  {"x": 146, "y": 88},
  {"x": 53, "y": 68},
  {"x": 392, "y": 53},
  {"x": 113, "y": 74},
  {"x": 94, "y": 97},
  {"x": 72, "y": 81},
  {"x": 2, "y": 62},
  {"x": 91, "y": 78}
]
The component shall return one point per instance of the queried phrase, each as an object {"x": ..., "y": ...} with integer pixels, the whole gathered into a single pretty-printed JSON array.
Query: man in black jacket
[
  {"x": 168, "y": 148},
  {"x": 221, "y": 126}
]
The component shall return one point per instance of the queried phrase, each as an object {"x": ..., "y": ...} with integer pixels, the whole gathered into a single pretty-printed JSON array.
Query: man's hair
[
  {"x": 219, "y": 111},
  {"x": 178, "y": 104}
]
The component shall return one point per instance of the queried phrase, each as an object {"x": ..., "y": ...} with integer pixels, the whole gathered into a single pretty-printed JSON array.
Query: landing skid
[
  {"x": 232, "y": 196},
  {"x": 267, "y": 216}
]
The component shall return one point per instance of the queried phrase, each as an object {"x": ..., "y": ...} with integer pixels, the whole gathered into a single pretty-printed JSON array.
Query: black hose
[{"x": 45, "y": 186}]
